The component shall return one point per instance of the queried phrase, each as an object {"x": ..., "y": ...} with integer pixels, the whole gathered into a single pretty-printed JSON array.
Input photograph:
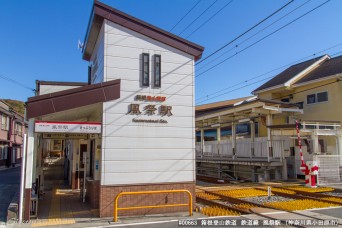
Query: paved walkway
[
  {"x": 9, "y": 185},
  {"x": 60, "y": 205}
]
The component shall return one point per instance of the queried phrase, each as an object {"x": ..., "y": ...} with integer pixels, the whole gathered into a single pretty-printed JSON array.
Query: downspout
[{"x": 10, "y": 143}]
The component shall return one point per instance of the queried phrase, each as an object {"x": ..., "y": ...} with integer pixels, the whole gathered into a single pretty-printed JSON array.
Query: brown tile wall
[
  {"x": 108, "y": 194},
  {"x": 27, "y": 204},
  {"x": 93, "y": 193},
  {"x": 73, "y": 180}
]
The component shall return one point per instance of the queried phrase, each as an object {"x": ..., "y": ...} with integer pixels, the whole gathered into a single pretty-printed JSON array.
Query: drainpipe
[
  {"x": 252, "y": 124},
  {"x": 202, "y": 141},
  {"x": 234, "y": 140},
  {"x": 269, "y": 136},
  {"x": 10, "y": 146}
]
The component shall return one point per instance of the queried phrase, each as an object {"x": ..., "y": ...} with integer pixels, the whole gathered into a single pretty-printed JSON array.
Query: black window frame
[
  {"x": 300, "y": 104},
  {"x": 156, "y": 76},
  {"x": 143, "y": 69},
  {"x": 311, "y": 95},
  {"x": 316, "y": 98}
]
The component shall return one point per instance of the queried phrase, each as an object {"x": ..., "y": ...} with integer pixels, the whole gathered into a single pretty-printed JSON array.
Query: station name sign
[
  {"x": 67, "y": 127},
  {"x": 156, "y": 109}
]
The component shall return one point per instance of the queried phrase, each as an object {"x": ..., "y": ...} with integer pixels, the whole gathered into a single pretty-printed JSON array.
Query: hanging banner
[{"x": 67, "y": 127}]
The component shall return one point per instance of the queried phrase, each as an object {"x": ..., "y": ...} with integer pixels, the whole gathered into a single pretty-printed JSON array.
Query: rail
[{"x": 116, "y": 201}]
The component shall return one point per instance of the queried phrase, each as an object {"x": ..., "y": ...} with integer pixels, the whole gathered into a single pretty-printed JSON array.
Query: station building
[
  {"x": 255, "y": 139},
  {"x": 131, "y": 127}
]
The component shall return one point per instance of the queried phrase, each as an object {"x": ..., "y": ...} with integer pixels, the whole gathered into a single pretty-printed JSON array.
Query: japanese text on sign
[{"x": 67, "y": 127}]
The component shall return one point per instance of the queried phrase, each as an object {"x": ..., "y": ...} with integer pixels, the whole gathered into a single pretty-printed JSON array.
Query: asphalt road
[
  {"x": 9, "y": 184},
  {"x": 334, "y": 212}
]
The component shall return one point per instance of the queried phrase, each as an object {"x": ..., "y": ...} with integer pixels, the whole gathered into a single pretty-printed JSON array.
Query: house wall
[
  {"x": 324, "y": 111},
  {"x": 45, "y": 89},
  {"x": 14, "y": 143},
  {"x": 139, "y": 155}
]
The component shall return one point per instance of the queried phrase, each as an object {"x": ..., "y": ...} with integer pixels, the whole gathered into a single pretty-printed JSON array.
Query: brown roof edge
[
  {"x": 142, "y": 27},
  {"x": 62, "y": 83},
  {"x": 72, "y": 98},
  {"x": 74, "y": 90},
  {"x": 220, "y": 104},
  {"x": 279, "y": 102}
]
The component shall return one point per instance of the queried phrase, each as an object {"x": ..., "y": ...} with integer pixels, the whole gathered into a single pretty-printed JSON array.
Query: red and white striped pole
[
  {"x": 303, "y": 166},
  {"x": 310, "y": 173}
]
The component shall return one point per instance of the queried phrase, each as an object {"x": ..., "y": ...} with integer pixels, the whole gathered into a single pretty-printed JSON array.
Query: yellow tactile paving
[
  {"x": 55, "y": 209},
  {"x": 52, "y": 222},
  {"x": 56, "y": 215}
]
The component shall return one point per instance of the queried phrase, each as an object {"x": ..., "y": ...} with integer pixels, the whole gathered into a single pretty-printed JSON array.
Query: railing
[
  {"x": 243, "y": 149},
  {"x": 322, "y": 125},
  {"x": 329, "y": 169},
  {"x": 151, "y": 206}
]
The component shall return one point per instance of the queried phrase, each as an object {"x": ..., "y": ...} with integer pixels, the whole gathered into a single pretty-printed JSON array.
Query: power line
[
  {"x": 256, "y": 42},
  {"x": 274, "y": 22},
  {"x": 236, "y": 89},
  {"x": 205, "y": 98},
  {"x": 278, "y": 68},
  {"x": 185, "y": 15},
  {"x": 248, "y": 30},
  {"x": 236, "y": 46},
  {"x": 198, "y": 17},
  {"x": 16, "y": 82},
  {"x": 210, "y": 18}
]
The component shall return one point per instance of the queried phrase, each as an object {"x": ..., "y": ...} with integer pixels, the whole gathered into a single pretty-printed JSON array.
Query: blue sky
[{"x": 38, "y": 39}]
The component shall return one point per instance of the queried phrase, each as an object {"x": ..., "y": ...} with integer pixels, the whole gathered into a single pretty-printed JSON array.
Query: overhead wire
[
  {"x": 185, "y": 15},
  {"x": 209, "y": 19},
  {"x": 333, "y": 55},
  {"x": 278, "y": 68},
  {"x": 16, "y": 82},
  {"x": 248, "y": 30},
  {"x": 197, "y": 17},
  {"x": 263, "y": 29},
  {"x": 263, "y": 38}
]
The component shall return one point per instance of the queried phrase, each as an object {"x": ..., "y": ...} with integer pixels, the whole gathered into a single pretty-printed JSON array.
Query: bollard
[{"x": 269, "y": 192}]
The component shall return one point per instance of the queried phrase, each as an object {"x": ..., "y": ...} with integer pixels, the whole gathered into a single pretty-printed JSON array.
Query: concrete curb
[{"x": 13, "y": 208}]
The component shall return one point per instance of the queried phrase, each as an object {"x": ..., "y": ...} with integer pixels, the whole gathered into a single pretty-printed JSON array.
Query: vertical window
[
  {"x": 311, "y": 98},
  {"x": 4, "y": 122},
  {"x": 157, "y": 71},
  {"x": 145, "y": 69},
  {"x": 18, "y": 152},
  {"x": 18, "y": 129},
  {"x": 5, "y": 149}
]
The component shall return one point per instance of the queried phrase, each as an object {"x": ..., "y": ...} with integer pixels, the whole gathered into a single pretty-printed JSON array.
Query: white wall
[
  {"x": 45, "y": 89},
  {"x": 135, "y": 153},
  {"x": 97, "y": 59}
]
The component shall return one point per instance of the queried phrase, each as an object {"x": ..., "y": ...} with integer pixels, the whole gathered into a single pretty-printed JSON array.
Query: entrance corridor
[{"x": 59, "y": 204}]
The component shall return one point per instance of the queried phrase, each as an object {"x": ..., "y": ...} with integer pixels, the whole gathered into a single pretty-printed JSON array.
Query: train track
[{"x": 223, "y": 200}]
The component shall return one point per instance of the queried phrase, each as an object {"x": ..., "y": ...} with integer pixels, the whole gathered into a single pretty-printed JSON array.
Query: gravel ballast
[
  {"x": 339, "y": 194},
  {"x": 265, "y": 199}
]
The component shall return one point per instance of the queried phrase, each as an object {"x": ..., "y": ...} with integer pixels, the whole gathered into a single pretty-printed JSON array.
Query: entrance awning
[{"x": 72, "y": 98}]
